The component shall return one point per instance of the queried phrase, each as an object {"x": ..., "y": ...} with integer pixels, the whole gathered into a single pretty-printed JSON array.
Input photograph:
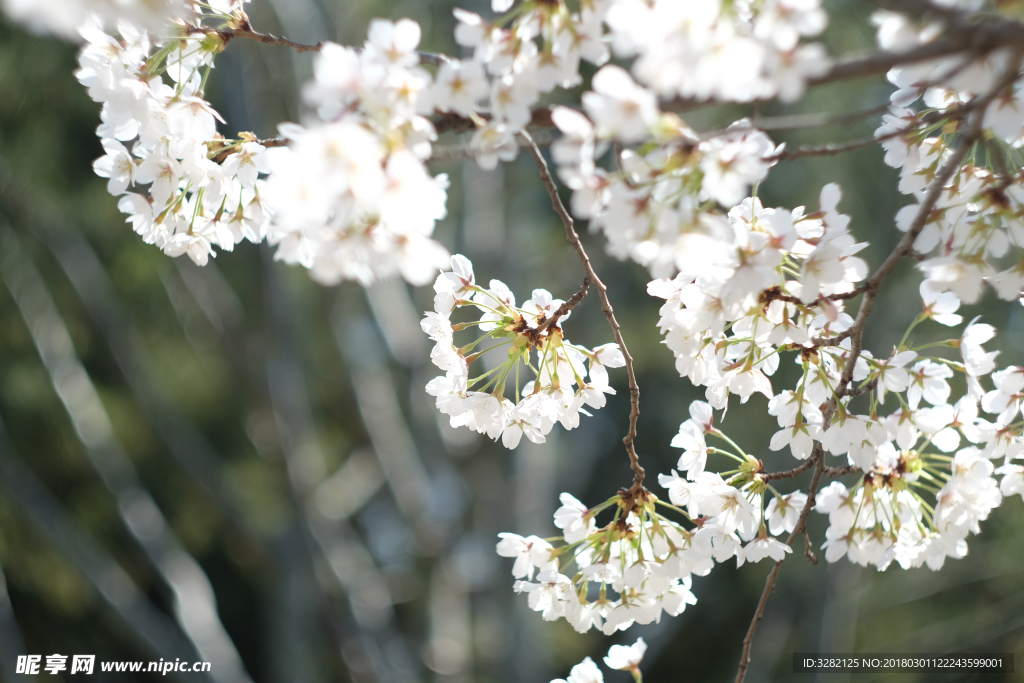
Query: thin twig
[
  {"x": 798, "y": 121},
  {"x": 830, "y": 149},
  {"x": 833, "y": 341},
  {"x": 464, "y": 151},
  {"x": 564, "y": 309},
  {"x": 834, "y": 148},
  {"x": 228, "y": 34},
  {"x": 808, "y": 553},
  {"x": 224, "y": 153},
  {"x": 444, "y": 122},
  {"x": 245, "y": 31},
  {"x": 606, "y": 306},
  {"x": 870, "y": 386},
  {"x": 788, "y": 474}
]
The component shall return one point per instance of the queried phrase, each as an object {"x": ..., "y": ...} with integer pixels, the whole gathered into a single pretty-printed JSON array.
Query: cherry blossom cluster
[
  {"x": 684, "y": 48},
  {"x": 627, "y": 571},
  {"x": 349, "y": 198},
  {"x": 916, "y": 504},
  {"x": 619, "y": 658},
  {"x": 976, "y": 233},
  {"x": 927, "y": 479},
  {"x": 657, "y": 208},
  {"x": 350, "y": 195},
  {"x": 203, "y": 191},
  {"x": 640, "y": 564},
  {"x": 755, "y": 283},
  {"x": 928, "y": 472},
  {"x": 549, "y": 378},
  {"x": 680, "y": 48},
  {"x": 529, "y": 51}
]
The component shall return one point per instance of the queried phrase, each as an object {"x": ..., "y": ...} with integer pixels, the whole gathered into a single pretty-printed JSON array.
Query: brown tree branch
[
  {"x": 836, "y": 472},
  {"x": 818, "y": 460},
  {"x": 923, "y": 7},
  {"x": 980, "y": 39},
  {"x": 960, "y": 36},
  {"x": 833, "y": 341},
  {"x": 857, "y": 291},
  {"x": 606, "y": 306},
  {"x": 228, "y": 35}
]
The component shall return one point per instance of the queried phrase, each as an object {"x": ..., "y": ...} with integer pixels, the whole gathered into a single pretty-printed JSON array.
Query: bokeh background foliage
[{"x": 282, "y": 430}]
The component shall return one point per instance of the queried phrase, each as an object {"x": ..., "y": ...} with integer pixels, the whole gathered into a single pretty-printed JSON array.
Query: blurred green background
[{"x": 270, "y": 439}]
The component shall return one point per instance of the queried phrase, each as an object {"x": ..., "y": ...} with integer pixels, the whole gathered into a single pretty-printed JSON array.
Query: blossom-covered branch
[{"x": 938, "y": 185}]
